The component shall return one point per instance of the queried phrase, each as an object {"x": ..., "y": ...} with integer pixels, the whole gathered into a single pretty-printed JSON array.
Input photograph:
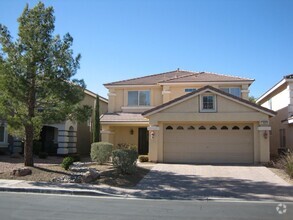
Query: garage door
[{"x": 208, "y": 143}]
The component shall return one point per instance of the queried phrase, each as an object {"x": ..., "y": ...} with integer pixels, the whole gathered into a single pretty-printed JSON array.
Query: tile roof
[
  {"x": 210, "y": 88},
  {"x": 123, "y": 117},
  {"x": 179, "y": 76}
]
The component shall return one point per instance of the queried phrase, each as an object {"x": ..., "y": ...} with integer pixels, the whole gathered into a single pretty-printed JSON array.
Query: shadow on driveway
[{"x": 169, "y": 185}]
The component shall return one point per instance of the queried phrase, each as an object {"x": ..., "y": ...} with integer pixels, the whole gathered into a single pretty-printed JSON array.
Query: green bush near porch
[
  {"x": 101, "y": 152},
  {"x": 124, "y": 160}
]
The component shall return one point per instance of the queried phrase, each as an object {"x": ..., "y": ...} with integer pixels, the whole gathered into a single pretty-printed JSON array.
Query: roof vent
[{"x": 178, "y": 69}]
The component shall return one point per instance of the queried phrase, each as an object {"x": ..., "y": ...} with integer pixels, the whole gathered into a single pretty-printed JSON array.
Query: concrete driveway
[{"x": 176, "y": 181}]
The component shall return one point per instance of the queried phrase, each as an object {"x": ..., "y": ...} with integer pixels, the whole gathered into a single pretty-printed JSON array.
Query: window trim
[
  {"x": 189, "y": 90},
  {"x": 229, "y": 90},
  {"x": 214, "y": 103},
  {"x": 138, "y": 97}
]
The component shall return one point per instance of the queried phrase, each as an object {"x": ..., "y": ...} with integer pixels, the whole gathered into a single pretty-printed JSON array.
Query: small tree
[
  {"x": 252, "y": 99},
  {"x": 36, "y": 71},
  {"x": 96, "y": 126}
]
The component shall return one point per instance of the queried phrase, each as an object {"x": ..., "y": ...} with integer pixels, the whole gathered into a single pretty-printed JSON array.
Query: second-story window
[
  {"x": 233, "y": 91},
  {"x": 138, "y": 98},
  {"x": 189, "y": 90}
]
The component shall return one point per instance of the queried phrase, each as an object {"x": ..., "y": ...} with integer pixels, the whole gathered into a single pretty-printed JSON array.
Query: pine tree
[{"x": 36, "y": 77}]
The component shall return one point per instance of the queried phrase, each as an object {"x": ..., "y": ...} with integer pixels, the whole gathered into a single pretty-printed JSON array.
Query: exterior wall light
[
  {"x": 152, "y": 134},
  {"x": 265, "y": 134},
  {"x": 131, "y": 131}
]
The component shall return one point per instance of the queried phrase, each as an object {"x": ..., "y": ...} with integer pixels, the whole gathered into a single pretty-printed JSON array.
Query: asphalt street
[{"x": 54, "y": 207}]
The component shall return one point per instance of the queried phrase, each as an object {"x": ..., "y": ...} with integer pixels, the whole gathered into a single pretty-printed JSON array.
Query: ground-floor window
[{"x": 282, "y": 138}]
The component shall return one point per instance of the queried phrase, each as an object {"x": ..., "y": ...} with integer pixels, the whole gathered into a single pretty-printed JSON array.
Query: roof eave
[
  {"x": 271, "y": 90},
  {"x": 204, "y": 89}
]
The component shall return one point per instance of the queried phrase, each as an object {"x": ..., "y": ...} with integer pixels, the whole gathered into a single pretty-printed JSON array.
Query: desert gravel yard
[{"x": 45, "y": 170}]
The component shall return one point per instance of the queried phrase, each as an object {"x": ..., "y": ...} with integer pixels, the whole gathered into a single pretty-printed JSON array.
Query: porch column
[
  {"x": 153, "y": 142},
  {"x": 264, "y": 142},
  {"x": 107, "y": 134}
]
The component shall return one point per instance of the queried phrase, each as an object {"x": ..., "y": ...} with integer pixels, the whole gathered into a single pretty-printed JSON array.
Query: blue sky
[{"x": 125, "y": 39}]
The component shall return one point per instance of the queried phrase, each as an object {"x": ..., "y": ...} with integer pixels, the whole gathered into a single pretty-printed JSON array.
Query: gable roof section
[
  {"x": 94, "y": 95},
  {"x": 206, "y": 89},
  {"x": 266, "y": 95},
  {"x": 178, "y": 76}
]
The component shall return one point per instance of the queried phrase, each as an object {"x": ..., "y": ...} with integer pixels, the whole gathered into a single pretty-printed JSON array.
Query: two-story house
[
  {"x": 188, "y": 117},
  {"x": 280, "y": 99}
]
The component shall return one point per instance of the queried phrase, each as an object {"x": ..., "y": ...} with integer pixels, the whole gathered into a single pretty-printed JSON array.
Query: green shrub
[
  {"x": 124, "y": 160},
  {"x": 37, "y": 147},
  {"x": 101, "y": 152},
  {"x": 43, "y": 155},
  {"x": 124, "y": 146},
  {"x": 286, "y": 163},
  {"x": 143, "y": 158},
  {"x": 67, "y": 161}
]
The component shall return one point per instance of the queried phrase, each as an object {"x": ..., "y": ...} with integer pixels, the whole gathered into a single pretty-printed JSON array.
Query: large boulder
[
  {"x": 90, "y": 176},
  {"x": 21, "y": 172}
]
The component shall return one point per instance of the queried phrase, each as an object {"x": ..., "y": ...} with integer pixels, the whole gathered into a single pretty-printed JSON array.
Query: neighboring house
[
  {"x": 69, "y": 136},
  {"x": 188, "y": 117},
  {"x": 280, "y": 99}
]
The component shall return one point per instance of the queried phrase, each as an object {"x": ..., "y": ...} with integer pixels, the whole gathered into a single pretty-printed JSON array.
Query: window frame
[
  {"x": 138, "y": 98},
  {"x": 202, "y": 109},
  {"x": 229, "y": 90},
  {"x": 282, "y": 134},
  {"x": 187, "y": 90}
]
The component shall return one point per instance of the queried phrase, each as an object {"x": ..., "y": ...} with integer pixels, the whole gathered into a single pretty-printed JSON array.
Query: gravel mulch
[{"x": 45, "y": 170}]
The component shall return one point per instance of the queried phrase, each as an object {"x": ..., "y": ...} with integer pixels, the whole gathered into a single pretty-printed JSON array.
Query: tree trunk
[{"x": 28, "y": 146}]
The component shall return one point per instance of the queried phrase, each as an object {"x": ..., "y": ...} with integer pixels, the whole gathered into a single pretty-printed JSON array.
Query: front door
[{"x": 143, "y": 141}]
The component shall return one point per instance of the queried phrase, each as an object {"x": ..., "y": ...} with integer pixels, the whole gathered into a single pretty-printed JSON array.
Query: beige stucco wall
[
  {"x": 119, "y": 134},
  {"x": 84, "y": 129},
  {"x": 279, "y": 98},
  {"x": 228, "y": 112},
  {"x": 118, "y": 97}
]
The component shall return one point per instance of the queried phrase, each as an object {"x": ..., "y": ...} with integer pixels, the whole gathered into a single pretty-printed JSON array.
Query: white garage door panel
[{"x": 208, "y": 146}]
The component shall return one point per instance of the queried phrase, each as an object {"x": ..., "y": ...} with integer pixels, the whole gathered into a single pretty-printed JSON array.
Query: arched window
[
  {"x": 169, "y": 128},
  {"x": 224, "y": 128},
  {"x": 202, "y": 128},
  {"x": 213, "y": 128},
  {"x": 190, "y": 128},
  {"x": 180, "y": 128},
  {"x": 235, "y": 128},
  {"x": 246, "y": 128}
]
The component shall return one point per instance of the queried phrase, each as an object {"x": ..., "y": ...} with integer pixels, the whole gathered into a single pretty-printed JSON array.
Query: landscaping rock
[
  {"x": 90, "y": 176},
  {"x": 21, "y": 172}
]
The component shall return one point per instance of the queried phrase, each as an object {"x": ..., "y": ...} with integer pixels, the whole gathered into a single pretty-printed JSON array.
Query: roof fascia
[
  {"x": 271, "y": 90},
  {"x": 209, "y": 82},
  {"x": 132, "y": 86}
]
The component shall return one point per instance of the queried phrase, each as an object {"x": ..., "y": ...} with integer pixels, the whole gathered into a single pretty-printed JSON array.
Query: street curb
[{"x": 59, "y": 191}]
